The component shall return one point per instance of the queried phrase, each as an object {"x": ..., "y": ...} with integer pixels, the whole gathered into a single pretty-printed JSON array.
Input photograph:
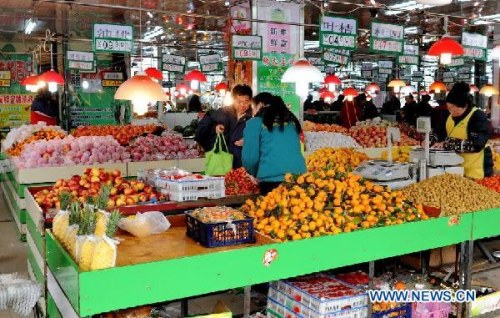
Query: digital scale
[{"x": 437, "y": 157}]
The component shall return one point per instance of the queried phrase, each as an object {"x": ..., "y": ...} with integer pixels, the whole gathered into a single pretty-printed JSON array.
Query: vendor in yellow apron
[{"x": 473, "y": 162}]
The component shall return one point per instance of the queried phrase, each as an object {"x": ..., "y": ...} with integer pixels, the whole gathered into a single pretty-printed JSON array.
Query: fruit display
[
  {"x": 123, "y": 134},
  {"x": 310, "y": 126},
  {"x": 358, "y": 278},
  {"x": 218, "y": 214},
  {"x": 318, "y": 140},
  {"x": 338, "y": 159},
  {"x": 378, "y": 122},
  {"x": 72, "y": 151},
  {"x": 491, "y": 182},
  {"x": 399, "y": 154},
  {"x": 453, "y": 194},
  {"x": 187, "y": 131},
  {"x": 90, "y": 184},
  {"x": 239, "y": 182},
  {"x": 44, "y": 134},
  {"x": 168, "y": 147},
  {"x": 19, "y": 134},
  {"x": 328, "y": 202},
  {"x": 376, "y": 137}
]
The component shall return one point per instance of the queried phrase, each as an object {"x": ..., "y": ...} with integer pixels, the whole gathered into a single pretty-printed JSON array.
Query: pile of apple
[
  {"x": 376, "y": 137},
  {"x": 123, "y": 192},
  {"x": 123, "y": 134},
  {"x": 166, "y": 147}
]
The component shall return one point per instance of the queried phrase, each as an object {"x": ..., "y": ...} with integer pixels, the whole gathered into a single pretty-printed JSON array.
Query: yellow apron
[{"x": 473, "y": 162}]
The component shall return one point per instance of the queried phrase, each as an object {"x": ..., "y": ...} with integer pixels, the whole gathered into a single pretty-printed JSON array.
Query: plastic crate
[
  {"x": 205, "y": 184},
  {"x": 431, "y": 310},
  {"x": 182, "y": 196},
  {"x": 277, "y": 310},
  {"x": 402, "y": 311},
  {"x": 220, "y": 234}
]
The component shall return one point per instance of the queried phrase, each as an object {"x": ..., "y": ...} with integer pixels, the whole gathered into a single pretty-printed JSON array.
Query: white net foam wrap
[{"x": 18, "y": 294}]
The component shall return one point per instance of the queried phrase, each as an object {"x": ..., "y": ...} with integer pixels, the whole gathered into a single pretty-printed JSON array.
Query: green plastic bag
[{"x": 218, "y": 162}]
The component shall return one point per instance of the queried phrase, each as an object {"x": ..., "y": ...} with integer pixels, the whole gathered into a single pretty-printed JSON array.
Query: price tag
[
  {"x": 112, "y": 38},
  {"x": 338, "y": 32},
  {"x": 173, "y": 63},
  {"x": 387, "y": 38},
  {"x": 247, "y": 47}
]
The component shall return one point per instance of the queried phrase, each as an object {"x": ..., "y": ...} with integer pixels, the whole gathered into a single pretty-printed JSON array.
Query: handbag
[{"x": 217, "y": 161}]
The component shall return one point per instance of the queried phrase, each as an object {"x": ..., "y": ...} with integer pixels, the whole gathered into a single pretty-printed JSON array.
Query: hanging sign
[
  {"x": 463, "y": 77},
  {"x": 173, "y": 63},
  {"x": 410, "y": 55},
  {"x": 81, "y": 61},
  {"x": 457, "y": 62},
  {"x": 116, "y": 38},
  {"x": 15, "y": 109},
  {"x": 278, "y": 38},
  {"x": 317, "y": 62},
  {"x": 211, "y": 63},
  {"x": 334, "y": 57},
  {"x": 366, "y": 74},
  {"x": 247, "y": 47},
  {"x": 4, "y": 78},
  {"x": 385, "y": 64},
  {"x": 338, "y": 32},
  {"x": 474, "y": 53},
  {"x": 474, "y": 45},
  {"x": 112, "y": 79},
  {"x": 385, "y": 70},
  {"x": 417, "y": 76},
  {"x": 386, "y": 38}
]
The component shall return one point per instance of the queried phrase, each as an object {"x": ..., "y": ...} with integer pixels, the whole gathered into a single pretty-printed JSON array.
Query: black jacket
[{"x": 205, "y": 133}]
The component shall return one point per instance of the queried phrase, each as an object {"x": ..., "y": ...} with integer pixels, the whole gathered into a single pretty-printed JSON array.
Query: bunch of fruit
[
  {"x": 71, "y": 151},
  {"x": 17, "y": 135},
  {"x": 318, "y": 140},
  {"x": 491, "y": 182},
  {"x": 45, "y": 134},
  {"x": 122, "y": 192},
  {"x": 239, "y": 182},
  {"x": 377, "y": 122},
  {"x": 338, "y": 159},
  {"x": 328, "y": 202},
  {"x": 123, "y": 134},
  {"x": 376, "y": 137},
  {"x": 399, "y": 154},
  {"x": 453, "y": 194},
  {"x": 218, "y": 214},
  {"x": 310, "y": 126},
  {"x": 152, "y": 148}
]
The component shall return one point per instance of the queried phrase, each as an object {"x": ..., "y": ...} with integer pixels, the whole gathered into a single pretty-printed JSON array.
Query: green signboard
[
  {"x": 114, "y": 38},
  {"x": 173, "y": 63},
  {"x": 337, "y": 57},
  {"x": 386, "y": 38},
  {"x": 475, "y": 46},
  {"x": 247, "y": 47},
  {"x": 410, "y": 55},
  {"x": 211, "y": 63},
  {"x": 338, "y": 32},
  {"x": 269, "y": 73}
]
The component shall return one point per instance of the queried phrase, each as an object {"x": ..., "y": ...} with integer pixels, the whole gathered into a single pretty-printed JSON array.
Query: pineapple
[
  {"x": 102, "y": 221},
  {"x": 87, "y": 252},
  {"x": 61, "y": 220},
  {"x": 105, "y": 249},
  {"x": 86, "y": 227},
  {"x": 72, "y": 231}
]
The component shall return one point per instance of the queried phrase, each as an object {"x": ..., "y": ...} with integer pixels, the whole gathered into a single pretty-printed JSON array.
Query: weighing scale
[{"x": 437, "y": 157}]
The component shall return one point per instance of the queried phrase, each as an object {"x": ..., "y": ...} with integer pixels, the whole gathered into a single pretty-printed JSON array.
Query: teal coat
[{"x": 268, "y": 156}]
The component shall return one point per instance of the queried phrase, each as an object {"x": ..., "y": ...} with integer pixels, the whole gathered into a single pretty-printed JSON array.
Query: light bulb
[
  {"x": 331, "y": 87},
  {"x": 445, "y": 58},
  {"x": 350, "y": 98},
  {"x": 437, "y": 91},
  {"x": 41, "y": 84},
  {"x": 194, "y": 84},
  {"x": 302, "y": 89},
  {"x": 52, "y": 87},
  {"x": 85, "y": 84},
  {"x": 328, "y": 100},
  {"x": 222, "y": 92},
  {"x": 182, "y": 91},
  {"x": 228, "y": 100},
  {"x": 140, "y": 106},
  {"x": 397, "y": 89}
]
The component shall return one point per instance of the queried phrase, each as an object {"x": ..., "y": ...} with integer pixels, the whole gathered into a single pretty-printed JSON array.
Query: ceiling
[{"x": 187, "y": 26}]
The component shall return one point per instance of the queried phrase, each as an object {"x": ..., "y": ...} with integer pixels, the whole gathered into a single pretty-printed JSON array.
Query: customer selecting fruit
[
  {"x": 230, "y": 121},
  {"x": 466, "y": 132},
  {"x": 272, "y": 145}
]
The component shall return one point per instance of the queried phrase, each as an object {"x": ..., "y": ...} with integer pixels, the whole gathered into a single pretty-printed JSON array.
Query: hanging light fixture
[
  {"x": 396, "y": 84},
  {"x": 302, "y": 73},
  {"x": 446, "y": 48},
  {"x": 221, "y": 88},
  {"x": 31, "y": 83},
  {"x": 52, "y": 79},
  {"x": 437, "y": 87},
  {"x": 474, "y": 89},
  {"x": 488, "y": 90},
  {"x": 140, "y": 89},
  {"x": 495, "y": 53},
  {"x": 328, "y": 96},
  {"x": 154, "y": 73},
  {"x": 182, "y": 89},
  {"x": 195, "y": 77},
  {"x": 408, "y": 89},
  {"x": 424, "y": 92},
  {"x": 350, "y": 93},
  {"x": 372, "y": 88},
  {"x": 331, "y": 81}
]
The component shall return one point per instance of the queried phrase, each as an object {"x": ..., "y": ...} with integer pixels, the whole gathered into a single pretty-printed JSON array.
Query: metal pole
[{"x": 247, "y": 301}]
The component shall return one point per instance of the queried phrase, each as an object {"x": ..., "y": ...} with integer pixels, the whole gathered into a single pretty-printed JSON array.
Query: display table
[{"x": 170, "y": 266}]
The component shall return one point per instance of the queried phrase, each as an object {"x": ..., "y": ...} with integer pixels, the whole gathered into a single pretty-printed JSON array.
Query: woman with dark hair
[
  {"x": 261, "y": 100},
  {"x": 466, "y": 132},
  {"x": 272, "y": 145},
  {"x": 44, "y": 108}
]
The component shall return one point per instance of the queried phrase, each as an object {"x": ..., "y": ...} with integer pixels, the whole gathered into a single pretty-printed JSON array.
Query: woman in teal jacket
[{"x": 271, "y": 146}]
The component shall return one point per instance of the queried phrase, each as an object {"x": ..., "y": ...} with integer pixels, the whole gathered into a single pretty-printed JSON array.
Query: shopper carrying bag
[{"x": 218, "y": 161}]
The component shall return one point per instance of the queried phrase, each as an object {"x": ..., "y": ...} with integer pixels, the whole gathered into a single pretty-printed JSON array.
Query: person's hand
[
  {"x": 438, "y": 145},
  {"x": 219, "y": 128},
  {"x": 239, "y": 143}
]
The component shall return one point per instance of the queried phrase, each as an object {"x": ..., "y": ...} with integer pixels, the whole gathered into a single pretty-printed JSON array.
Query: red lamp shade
[
  {"x": 221, "y": 87},
  {"x": 445, "y": 48},
  {"x": 424, "y": 93},
  {"x": 182, "y": 88},
  {"x": 437, "y": 87},
  {"x": 332, "y": 79},
  {"x": 372, "y": 87},
  {"x": 195, "y": 75},
  {"x": 350, "y": 92},
  {"x": 154, "y": 73},
  {"x": 327, "y": 95},
  {"x": 51, "y": 77},
  {"x": 323, "y": 90},
  {"x": 30, "y": 80}
]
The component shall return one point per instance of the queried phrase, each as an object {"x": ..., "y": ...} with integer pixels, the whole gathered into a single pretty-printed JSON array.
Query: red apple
[
  {"x": 113, "y": 191},
  {"x": 128, "y": 191},
  {"x": 118, "y": 181},
  {"x": 142, "y": 198},
  {"x": 95, "y": 179},
  {"x": 129, "y": 201},
  {"x": 148, "y": 189},
  {"x": 116, "y": 173}
]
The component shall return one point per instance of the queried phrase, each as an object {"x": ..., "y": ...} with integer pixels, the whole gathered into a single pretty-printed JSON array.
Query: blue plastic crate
[
  {"x": 220, "y": 234},
  {"x": 403, "y": 311}
]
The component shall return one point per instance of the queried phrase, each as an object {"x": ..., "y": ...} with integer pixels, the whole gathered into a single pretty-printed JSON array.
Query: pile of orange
[
  {"x": 45, "y": 134},
  {"x": 328, "y": 202},
  {"x": 338, "y": 159},
  {"x": 310, "y": 126}
]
